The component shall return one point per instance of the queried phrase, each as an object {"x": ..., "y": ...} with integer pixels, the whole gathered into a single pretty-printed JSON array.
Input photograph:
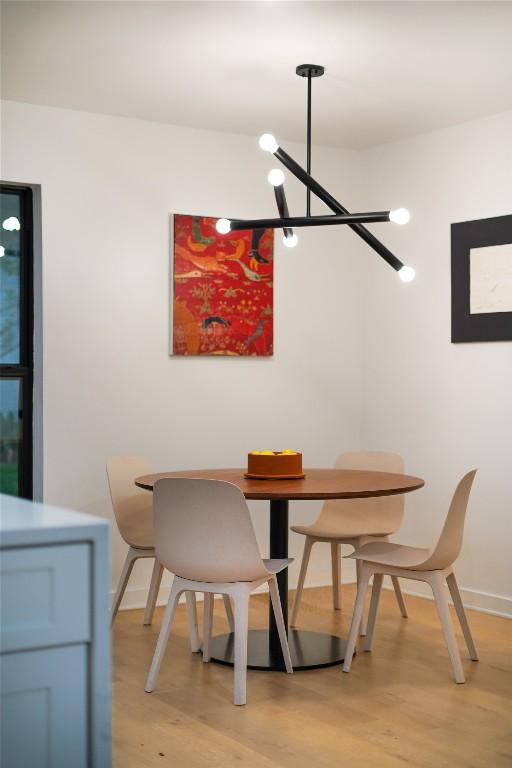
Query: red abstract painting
[{"x": 223, "y": 289}]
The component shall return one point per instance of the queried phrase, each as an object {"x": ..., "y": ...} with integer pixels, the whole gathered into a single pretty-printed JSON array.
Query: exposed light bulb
[
  {"x": 11, "y": 224},
  {"x": 268, "y": 143},
  {"x": 223, "y": 226},
  {"x": 2, "y": 251},
  {"x": 276, "y": 177},
  {"x": 290, "y": 240},
  {"x": 399, "y": 216},
  {"x": 407, "y": 274}
]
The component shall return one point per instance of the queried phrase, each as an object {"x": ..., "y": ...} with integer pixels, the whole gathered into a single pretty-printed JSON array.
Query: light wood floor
[{"x": 398, "y": 706}]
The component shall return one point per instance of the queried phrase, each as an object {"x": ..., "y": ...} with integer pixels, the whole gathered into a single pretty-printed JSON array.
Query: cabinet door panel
[
  {"x": 44, "y": 712},
  {"x": 45, "y": 596}
]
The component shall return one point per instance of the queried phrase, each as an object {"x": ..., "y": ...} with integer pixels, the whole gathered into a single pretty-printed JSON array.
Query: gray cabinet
[{"x": 55, "y": 641}]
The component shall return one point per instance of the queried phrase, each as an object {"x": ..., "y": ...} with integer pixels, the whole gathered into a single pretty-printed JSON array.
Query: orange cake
[{"x": 266, "y": 464}]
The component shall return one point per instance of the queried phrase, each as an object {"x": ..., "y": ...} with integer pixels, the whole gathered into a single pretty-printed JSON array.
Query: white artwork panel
[{"x": 490, "y": 275}]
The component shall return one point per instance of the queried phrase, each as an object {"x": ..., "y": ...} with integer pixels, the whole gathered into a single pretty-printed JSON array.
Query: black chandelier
[{"x": 340, "y": 214}]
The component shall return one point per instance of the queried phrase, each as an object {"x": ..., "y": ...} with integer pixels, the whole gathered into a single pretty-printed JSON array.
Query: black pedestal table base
[{"x": 309, "y": 650}]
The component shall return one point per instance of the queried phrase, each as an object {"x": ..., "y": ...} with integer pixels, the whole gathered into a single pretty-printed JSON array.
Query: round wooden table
[{"x": 308, "y": 649}]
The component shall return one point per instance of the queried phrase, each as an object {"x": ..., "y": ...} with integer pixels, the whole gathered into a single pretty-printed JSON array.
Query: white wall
[
  {"x": 446, "y": 407},
  {"x": 356, "y": 363},
  {"x": 109, "y": 186}
]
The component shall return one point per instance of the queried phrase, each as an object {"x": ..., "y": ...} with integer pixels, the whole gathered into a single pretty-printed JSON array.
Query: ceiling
[{"x": 394, "y": 69}]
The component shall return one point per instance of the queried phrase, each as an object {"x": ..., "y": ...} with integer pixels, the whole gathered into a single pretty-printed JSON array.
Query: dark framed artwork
[{"x": 482, "y": 280}]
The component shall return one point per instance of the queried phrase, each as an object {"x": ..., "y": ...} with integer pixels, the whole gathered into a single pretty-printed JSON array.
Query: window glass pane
[
  {"x": 10, "y": 434},
  {"x": 10, "y": 241}
]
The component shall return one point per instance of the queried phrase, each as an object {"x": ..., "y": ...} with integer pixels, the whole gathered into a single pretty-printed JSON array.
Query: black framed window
[{"x": 16, "y": 339}]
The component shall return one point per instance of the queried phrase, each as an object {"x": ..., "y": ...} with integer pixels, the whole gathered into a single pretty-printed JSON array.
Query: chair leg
[
  {"x": 163, "y": 637},
  {"x": 195, "y": 642},
  {"x": 336, "y": 574},
  {"x": 365, "y": 573},
  {"x": 278, "y": 613},
  {"x": 437, "y": 584},
  {"x": 131, "y": 557},
  {"x": 302, "y": 575},
  {"x": 372, "y": 615},
  {"x": 399, "y": 597},
  {"x": 156, "y": 578},
  {"x": 241, "y": 630},
  {"x": 362, "y": 627},
  {"x": 207, "y": 625},
  {"x": 461, "y": 613},
  {"x": 229, "y": 612}
]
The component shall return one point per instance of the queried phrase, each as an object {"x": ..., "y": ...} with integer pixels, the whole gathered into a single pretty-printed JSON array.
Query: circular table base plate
[{"x": 309, "y": 650}]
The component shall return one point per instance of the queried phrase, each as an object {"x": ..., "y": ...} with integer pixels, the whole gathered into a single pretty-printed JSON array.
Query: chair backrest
[
  {"x": 449, "y": 545},
  {"x": 380, "y": 515},
  {"x": 203, "y": 531},
  {"x": 132, "y": 506}
]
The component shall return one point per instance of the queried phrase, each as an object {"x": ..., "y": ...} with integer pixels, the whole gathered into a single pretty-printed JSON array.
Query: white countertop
[{"x": 24, "y": 523}]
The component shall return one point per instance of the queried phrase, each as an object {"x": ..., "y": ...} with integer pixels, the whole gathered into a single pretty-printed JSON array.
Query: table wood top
[{"x": 317, "y": 484}]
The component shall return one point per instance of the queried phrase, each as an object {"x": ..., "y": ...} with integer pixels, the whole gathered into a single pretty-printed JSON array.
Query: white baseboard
[
  {"x": 475, "y": 600},
  {"x": 485, "y": 602}
]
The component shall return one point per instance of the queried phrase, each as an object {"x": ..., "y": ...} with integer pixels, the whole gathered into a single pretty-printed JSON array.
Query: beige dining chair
[
  {"x": 353, "y": 522},
  {"x": 433, "y": 566},
  {"x": 204, "y": 534},
  {"x": 133, "y": 510}
]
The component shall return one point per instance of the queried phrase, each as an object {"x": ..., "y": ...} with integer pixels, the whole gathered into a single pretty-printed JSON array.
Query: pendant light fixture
[{"x": 340, "y": 215}]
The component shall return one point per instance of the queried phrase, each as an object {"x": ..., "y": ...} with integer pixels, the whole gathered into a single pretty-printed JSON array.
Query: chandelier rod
[
  {"x": 282, "y": 208},
  {"x": 335, "y": 206},
  {"x": 309, "y": 71},
  {"x": 308, "y": 191},
  {"x": 308, "y": 221}
]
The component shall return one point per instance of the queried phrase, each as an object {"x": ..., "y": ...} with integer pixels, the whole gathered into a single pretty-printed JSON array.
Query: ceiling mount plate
[{"x": 310, "y": 70}]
